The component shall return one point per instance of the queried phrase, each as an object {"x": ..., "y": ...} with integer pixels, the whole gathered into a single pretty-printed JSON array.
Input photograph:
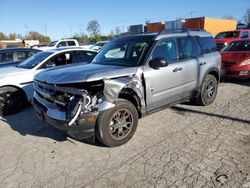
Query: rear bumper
[{"x": 82, "y": 128}]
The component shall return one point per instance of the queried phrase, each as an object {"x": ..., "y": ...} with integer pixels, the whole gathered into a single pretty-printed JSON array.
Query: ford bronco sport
[{"x": 131, "y": 77}]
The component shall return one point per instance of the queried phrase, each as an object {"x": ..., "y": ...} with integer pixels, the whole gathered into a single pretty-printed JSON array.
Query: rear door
[{"x": 189, "y": 59}]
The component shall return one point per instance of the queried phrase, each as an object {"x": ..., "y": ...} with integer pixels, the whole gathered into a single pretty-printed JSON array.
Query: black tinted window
[
  {"x": 71, "y": 43},
  {"x": 165, "y": 49},
  {"x": 62, "y": 44},
  {"x": 6, "y": 57},
  {"x": 237, "y": 46},
  {"x": 207, "y": 44},
  {"x": 61, "y": 59},
  {"x": 86, "y": 56},
  {"x": 188, "y": 48},
  {"x": 245, "y": 34}
]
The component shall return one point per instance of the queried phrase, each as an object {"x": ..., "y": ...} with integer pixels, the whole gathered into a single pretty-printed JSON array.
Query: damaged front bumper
[{"x": 79, "y": 122}]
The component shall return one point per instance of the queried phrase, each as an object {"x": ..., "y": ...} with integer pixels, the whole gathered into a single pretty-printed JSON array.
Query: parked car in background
[
  {"x": 63, "y": 43},
  {"x": 236, "y": 59},
  {"x": 131, "y": 77},
  {"x": 16, "y": 82},
  {"x": 13, "y": 56},
  {"x": 99, "y": 45},
  {"x": 87, "y": 45},
  {"x": 224, "y": 38}
]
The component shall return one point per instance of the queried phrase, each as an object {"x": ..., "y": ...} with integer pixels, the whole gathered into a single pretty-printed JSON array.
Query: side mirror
[{"x": 158, "y": 62}]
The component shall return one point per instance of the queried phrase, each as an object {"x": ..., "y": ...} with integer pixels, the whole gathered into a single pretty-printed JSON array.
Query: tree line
[
  {"x": 94, "y": 30},
  {"x": 32, "y": 35}
]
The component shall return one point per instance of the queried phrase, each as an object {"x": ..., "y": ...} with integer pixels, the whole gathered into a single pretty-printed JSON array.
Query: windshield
[
  {"x": 237, "y": 47},
  {"x": 53, "y": 43},
  {"x": 34, "y": 60},
  {"x": 230, "y": 34},
  {"x": 121, "y": 53}
]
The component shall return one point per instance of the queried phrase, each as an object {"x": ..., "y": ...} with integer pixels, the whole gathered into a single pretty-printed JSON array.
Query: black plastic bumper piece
[{"x": 80, "y": 130}]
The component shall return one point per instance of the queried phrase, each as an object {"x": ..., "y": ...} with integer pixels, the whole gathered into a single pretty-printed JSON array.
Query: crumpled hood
[{"x": 83, "y": 73}]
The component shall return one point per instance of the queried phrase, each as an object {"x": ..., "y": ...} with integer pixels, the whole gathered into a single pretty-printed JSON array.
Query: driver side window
[
  {"x": 166, "y": 49},
  {"x": 59, "y": 60}
]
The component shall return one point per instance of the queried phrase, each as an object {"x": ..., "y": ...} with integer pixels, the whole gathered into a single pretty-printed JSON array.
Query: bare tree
[
  {"x": 93, "y": 28},
  {"x": 12, "y": 36},
  {"x": 117, "y": 30},
  {"x": 3, "y": 36},
  {"x": 246, "y": 17}
]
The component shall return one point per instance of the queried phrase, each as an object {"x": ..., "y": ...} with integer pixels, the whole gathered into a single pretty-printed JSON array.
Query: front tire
[
  {"x": 117, "y": 125},
  {"x": 12, "y": 100},
  {"x": 208, "y": 91}
]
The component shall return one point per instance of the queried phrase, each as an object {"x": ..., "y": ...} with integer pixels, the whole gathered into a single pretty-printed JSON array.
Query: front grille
[
  {"x": 60, "y": 96},
  {"x": 48, "y": 93}
]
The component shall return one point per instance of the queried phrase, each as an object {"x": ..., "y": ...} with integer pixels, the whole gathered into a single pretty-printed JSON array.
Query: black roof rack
[{"x": 184, "y": 30}]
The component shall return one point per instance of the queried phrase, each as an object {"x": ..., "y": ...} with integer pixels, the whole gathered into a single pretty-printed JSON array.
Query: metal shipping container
[
  {"x": 211, "y": 25},
  {"x": 155, "y": 27}
]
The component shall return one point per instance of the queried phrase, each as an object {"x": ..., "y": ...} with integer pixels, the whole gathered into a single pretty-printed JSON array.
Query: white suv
[{"x": 60, "y": 44}]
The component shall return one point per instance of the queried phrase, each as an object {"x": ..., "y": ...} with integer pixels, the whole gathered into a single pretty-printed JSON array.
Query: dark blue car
[{"x": 13, "y": 56}]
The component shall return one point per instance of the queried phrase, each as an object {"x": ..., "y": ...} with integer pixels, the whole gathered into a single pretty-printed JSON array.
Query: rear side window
[
  {"x": 71, "y": 43},
  {"x": 240, "y": 46},
  {"x": 85, "y": 56},
  {"x": 6, "y": 57},
  {"x": 166, "y": 49},
  {"x": 188, "y": 48},
  {"x": 207, "y": 44}
]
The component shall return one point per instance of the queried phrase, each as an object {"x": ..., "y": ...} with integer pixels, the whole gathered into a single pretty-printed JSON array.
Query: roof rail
[{"x": 183, "y": 30}]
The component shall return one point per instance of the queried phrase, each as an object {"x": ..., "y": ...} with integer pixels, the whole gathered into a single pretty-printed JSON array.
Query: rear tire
[
  {"x": 117, "y": 125},
  {"x": 12, "y": 101},
  {"x": 208, "y": 91}
]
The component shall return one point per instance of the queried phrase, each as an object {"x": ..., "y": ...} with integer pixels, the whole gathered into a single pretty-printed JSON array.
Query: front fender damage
[{"x": 113, "y": 88}]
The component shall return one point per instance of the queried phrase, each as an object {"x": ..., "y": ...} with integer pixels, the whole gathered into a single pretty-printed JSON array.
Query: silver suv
[{"x": 131, "y": 77}]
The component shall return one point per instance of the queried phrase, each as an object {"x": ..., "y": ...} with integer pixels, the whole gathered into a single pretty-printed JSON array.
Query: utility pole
[
  {"x": 191, "y": 14},
  {"x": 70, "y": 30},
  {"x": 45, "y": 29},
  {"x": 26, "y": 29}
]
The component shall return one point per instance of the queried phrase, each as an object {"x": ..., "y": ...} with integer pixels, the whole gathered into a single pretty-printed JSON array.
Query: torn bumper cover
[{"x": 68, "y": 109}]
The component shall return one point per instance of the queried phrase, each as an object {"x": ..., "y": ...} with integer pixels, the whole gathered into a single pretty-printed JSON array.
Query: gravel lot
[{"x": 183, "y": 146}]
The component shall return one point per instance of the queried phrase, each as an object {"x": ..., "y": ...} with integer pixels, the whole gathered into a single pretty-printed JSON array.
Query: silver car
[{"x": 131, "y": 77}]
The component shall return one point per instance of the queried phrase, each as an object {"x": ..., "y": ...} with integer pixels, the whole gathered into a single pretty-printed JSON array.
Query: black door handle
[
  {"x": 203, "y": 63},
  {"x": 177, "y": 70}
]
